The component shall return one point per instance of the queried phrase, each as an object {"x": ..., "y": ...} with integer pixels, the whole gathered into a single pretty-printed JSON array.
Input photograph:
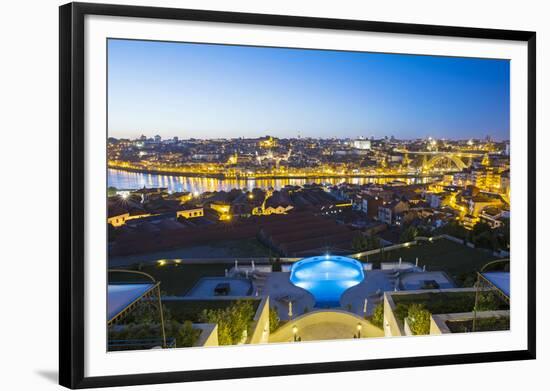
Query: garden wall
[{"x": 260, "y": 326}]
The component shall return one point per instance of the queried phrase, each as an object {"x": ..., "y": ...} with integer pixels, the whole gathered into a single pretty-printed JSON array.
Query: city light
[{"x": 446, "y": 173}]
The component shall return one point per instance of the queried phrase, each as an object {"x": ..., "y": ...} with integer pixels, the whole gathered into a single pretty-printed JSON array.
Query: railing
[{"x": 139, "y": 344}]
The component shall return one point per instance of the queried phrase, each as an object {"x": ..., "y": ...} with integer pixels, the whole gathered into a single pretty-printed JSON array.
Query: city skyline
[
  {"x": 150, "y": 136},
  {"x": 218, "y": 91}
]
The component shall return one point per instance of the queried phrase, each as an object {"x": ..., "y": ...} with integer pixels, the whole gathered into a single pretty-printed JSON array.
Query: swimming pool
[{"x": 327, "y": 277}]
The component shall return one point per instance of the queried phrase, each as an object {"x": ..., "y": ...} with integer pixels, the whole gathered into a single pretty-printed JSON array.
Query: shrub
[
  {"x": 273, "y": 319},
  {"x": 378, "y": 315},
  {"x": 276, "y": 265},
  {"x": 186, "y": 335},
  {"x": 488, "y": 301},
  {"x": 232, "y": 321},
  {"x": 408, "y": 235},
  {"x": 419, "y": 319},
  {"x": 493, "y": 324},
  {"x": 401, "y": 311},
  {"x": 482, "y": 324},
  {"x": 453, "y": 229}
]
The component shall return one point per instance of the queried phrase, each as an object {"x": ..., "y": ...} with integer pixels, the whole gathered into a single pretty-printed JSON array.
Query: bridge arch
[{"x": 457, "y": 161}]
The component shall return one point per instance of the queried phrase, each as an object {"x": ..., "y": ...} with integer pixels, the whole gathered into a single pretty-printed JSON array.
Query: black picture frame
[{"x": 71, "y": 206}]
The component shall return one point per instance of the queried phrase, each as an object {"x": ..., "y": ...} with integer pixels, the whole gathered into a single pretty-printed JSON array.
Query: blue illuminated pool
[{"x": 327, "y": 277}]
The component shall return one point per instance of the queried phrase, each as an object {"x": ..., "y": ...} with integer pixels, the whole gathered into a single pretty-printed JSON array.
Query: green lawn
[
  {"x": 176, "y": 280},
  {"x": 459, "y": 261},
  {"x": 246, "y": 248}
]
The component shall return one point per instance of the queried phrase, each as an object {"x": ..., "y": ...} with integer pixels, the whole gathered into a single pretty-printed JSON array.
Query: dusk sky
[{"x": 220, "y": 91}]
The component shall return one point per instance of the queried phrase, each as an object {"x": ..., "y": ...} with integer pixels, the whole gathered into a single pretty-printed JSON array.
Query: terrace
[
  {"x": 459, "y": 261},
  {"x": 432, "y": 303},
  {"x": 207, "y": 293}
]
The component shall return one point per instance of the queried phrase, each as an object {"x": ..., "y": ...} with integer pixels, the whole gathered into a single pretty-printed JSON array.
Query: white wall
[{"x": 28, "y": 87}]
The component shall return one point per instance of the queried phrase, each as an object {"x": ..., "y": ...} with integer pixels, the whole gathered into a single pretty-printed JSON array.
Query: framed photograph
[{"x": 246, "y": 195}]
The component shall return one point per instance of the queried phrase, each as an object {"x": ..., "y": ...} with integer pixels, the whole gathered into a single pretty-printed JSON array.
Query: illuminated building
[
  {"x": 485, "y": 162},
  {"x": 481, "y": 201},
  {"x": 119, "y": 219},
  {"x": 492, "y": 216},
  {"x": 275, "y": 202},
  {"x": 361, "y": 144},
  {"x": 182, "y": 197},
  {"x": 268, "y": 142},
  {"x": 222, "y": 209},
  {"x": 190, "y": 213},
  {"x": 505, "y": 182},
  {"x": 487, "y": 179},
  {"x": 387, "y": 213}
]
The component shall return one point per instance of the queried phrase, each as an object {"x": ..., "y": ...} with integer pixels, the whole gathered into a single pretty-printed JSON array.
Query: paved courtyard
[
  {"x": 281, "y": 291},
  {"x": 372, "y": 288}
]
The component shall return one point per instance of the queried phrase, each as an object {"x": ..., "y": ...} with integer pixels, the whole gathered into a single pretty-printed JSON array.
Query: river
[{"x": 134, "y": 180}]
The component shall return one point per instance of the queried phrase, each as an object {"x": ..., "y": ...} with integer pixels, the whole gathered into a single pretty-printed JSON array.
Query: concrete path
[{"x": 325, "y": 325}]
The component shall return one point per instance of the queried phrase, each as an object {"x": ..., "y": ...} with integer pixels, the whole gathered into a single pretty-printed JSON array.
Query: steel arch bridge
[{"x": 454, "y": 158}]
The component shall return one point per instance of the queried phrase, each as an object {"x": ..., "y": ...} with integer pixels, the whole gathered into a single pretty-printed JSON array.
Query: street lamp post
[
  {"x": 290, "y": 310},
  {"x": 359, "y": 327},
  {"x": 295, "y": 332}
]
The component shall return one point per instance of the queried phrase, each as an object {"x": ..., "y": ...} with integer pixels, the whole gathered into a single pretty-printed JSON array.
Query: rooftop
[
  {"x": 501, "y": 280},
  {"x": 120, "y": 296}
]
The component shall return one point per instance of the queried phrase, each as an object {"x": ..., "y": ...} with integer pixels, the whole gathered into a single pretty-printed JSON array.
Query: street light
[
  {"x": 294, "y": 332},
  {"x": 359, "y": 327}
]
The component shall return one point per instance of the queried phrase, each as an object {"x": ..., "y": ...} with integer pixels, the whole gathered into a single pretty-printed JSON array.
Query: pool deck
[
  {"x": 376, "y": 282},
  {"x": 280, "y": 291},
  {"x": 205, "y": 287}
]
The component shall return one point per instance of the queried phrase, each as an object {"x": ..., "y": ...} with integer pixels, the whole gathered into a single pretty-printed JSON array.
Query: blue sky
[{"x": 210, "y": 91}]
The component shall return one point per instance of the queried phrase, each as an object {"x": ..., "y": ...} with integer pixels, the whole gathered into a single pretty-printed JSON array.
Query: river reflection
[{"x": 135, "y": 180}]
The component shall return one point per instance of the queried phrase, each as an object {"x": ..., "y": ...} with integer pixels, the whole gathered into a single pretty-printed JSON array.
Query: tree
[
  {"x": 484, "y": 236},
  {"x": 503, "y": 234},
  {"x": 408, "y": 235},
  {"x": 359, "y": 242},
  {"x": 419, "y": 319},
  {"x": 480, "y": 228},
  {"x": 453, "y": 229},
  {"x": 232, "y": 321},
  {"x": 373, "y": 242},
  {"x": 486, "y": 240},
  {"x": 378, "y": 315}
]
